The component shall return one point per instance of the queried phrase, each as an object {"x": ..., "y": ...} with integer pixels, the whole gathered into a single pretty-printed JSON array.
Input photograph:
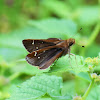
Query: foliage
[
  {"x": 36, "y": 87},
  {"x": 68, "y": 78}
]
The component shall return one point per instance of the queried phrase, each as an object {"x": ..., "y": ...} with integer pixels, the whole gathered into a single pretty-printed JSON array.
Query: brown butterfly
[{"x": 43, "y": 52}]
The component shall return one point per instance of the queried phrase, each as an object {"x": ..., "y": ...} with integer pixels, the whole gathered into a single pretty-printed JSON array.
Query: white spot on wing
[
  {"x": 35, "y": 53},
  {"x": 33, "y": 42},
  {"x": 38, "y": 57},
  {"x": 36, "y": 47}
]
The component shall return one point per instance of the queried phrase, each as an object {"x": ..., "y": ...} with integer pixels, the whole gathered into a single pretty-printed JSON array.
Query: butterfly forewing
[
  {"x": 45, "y": 58},
  {"x": 33, "y": 45}
]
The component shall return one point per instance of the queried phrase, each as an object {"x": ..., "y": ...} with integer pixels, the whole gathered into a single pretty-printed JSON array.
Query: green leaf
[
  {"x": 37, "y": 86},
  {"x": 44, "y": 99},
  {"x": 11, "y": 54},
  {"x": 94, "y": 94},
  {"x": 84, "y": 75},
  {"x": 24, "y": 67},
  {"x": 90, "y": 50},
  {"x": 59, "y": 28},
  {"x": 69, "y": 88},
  {"x": 59, "y": 8},
  {"x": 14, "y": 39},
  {"x": 62, "y": 98},
  {"x": 73, "y": 63}
]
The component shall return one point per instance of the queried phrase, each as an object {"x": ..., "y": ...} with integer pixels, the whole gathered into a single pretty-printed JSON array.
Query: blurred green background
[{"x": 42, "y": 19}]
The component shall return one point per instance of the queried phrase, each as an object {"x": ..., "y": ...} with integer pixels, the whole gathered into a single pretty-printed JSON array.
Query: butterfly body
[{"x": 43, "y": 52}]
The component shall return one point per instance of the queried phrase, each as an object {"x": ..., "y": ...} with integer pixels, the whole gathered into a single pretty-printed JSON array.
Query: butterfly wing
[
  {"x": 33, "y": 45},
  {"x": 44, "y": 59}
]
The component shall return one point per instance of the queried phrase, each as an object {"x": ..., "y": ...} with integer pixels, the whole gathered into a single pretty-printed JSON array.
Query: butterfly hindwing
[{"x": 45, "y": 58}]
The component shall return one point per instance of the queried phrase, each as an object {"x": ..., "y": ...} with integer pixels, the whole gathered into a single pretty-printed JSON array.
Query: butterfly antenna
[{"x": 77, "y": 32}]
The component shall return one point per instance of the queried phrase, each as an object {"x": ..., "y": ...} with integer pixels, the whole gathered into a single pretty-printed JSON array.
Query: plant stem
[
  {"x": 92, "y": 38},
  {"x": 88, "y": 90},
  {"x": 94, "y": 35}
]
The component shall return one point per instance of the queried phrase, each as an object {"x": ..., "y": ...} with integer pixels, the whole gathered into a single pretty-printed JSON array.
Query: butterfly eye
[{"x": 71, "y": 43}]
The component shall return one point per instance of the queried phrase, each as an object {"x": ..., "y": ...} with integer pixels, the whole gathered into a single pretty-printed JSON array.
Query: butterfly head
[{"x": 70, "y": 42}]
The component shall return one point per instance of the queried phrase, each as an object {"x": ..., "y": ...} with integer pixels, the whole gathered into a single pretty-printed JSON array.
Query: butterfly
[{"x": 43, "y": 52}]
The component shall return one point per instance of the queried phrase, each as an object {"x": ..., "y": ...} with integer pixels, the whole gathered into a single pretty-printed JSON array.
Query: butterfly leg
[
  {"x": 75, "y": 58},
  {"x": 69, "y": 58}
]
